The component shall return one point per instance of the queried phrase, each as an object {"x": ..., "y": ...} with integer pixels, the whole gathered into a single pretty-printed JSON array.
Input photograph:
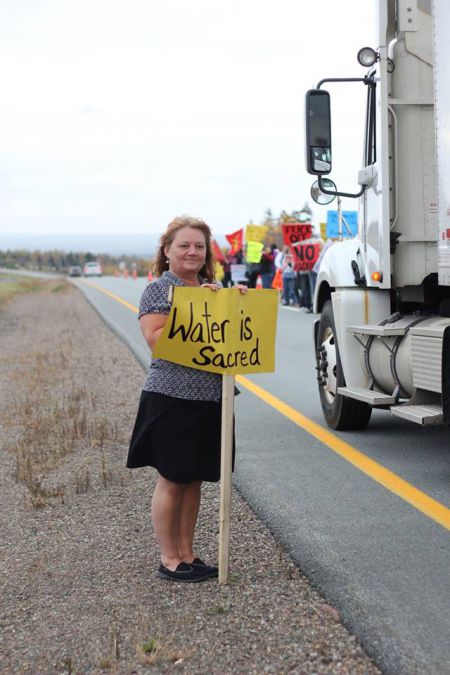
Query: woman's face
[{"x": 187, "y": 252}]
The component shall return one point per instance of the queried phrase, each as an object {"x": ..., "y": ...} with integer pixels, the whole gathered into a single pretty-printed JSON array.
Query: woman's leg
[
  {"x": 285, "y": 296},
  {"x": 166, "y": 504},
  {"x": 188, "y": 513},
  {"x": 291, "y": 292},
  {"x": 267, "y": 279}
]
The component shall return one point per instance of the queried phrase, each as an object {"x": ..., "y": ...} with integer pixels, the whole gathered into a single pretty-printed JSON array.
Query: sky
[{"x": 116, "y": 116}]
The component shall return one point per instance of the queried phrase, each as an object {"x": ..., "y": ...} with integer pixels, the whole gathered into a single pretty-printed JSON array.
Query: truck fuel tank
[{"x": 404, "y": 355}]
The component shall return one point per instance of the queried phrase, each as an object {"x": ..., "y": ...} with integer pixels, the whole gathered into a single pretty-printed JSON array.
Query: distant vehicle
[
  {"x": 92, "y": 269},
  {"x": 75, "y": 271}
]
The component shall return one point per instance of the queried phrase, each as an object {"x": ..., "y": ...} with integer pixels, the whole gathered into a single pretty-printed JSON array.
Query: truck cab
[{"x": 384, "y": 296}]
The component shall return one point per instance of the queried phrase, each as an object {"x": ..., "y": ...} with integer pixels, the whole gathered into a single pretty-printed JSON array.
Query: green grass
[{"x": 11, "y": 286}]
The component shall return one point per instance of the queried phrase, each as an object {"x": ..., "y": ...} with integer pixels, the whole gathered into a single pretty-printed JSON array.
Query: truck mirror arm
[
  {"x": 368, "y": 81},
  {"x": 339, "y": 194}
]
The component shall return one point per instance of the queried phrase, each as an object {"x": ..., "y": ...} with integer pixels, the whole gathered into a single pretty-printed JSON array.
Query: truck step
[
  {"x": 376, "y": 329},
  {"x": 421, "y": 414},
  {"x": 367, "y": 395}
]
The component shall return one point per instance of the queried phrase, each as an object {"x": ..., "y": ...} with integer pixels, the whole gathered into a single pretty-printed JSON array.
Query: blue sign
[{"x": 351, "y": 218}]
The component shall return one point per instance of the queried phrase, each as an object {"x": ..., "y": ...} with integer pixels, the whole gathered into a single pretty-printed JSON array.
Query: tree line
[{"x": 60, "y": 261}]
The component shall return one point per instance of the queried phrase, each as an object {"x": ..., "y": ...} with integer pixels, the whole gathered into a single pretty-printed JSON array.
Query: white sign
[{"x": 238, "y": 273}]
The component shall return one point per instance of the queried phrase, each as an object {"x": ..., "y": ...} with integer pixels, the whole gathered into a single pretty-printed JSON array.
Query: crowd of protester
[{"x": 276, "y": 269}]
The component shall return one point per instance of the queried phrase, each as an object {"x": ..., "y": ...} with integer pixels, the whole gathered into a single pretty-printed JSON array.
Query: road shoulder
[{"x": 83, "y": 595}]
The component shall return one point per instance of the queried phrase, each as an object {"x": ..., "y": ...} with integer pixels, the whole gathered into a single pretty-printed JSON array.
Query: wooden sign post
[{"x": 225, "y": 476}]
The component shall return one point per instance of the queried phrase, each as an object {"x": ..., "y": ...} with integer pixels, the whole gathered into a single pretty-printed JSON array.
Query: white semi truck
[{"x": 383, "y": 337}]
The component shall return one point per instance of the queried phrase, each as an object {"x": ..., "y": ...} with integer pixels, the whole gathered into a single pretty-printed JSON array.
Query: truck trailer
[{"x": 383, "y": 337}]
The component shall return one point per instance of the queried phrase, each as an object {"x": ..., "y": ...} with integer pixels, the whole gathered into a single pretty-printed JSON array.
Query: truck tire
[{"x": 340, "y": 412}]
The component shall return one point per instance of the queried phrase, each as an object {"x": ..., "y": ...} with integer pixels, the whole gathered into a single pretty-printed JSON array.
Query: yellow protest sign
[
  {"x": 323, "y": 230},
  {"x": 255, "y": 232},
  {"x": 218, "y": 271},
  {"x": 254, "y": 251},
  {"x": 224, "y": 332}
]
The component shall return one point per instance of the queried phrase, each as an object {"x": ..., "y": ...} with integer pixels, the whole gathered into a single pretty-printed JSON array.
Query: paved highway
[{"x": 365, "y": 514}]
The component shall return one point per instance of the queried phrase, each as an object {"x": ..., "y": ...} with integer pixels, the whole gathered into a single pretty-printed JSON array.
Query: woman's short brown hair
[{"x": 161, "y": 264}]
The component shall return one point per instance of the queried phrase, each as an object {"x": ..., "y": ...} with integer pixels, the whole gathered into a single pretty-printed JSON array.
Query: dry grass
[
  {"x": 149, "y": 651},
  {"x": 83, "y": 596},
  {"x": 12, "y": 286},
  {"x": 51, "y": 414},
  {"x": 156, "y": 650}
]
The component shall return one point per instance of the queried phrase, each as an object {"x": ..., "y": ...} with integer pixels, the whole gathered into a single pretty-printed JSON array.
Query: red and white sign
[
  {"x": 305, "y": 256},
  {"x": 294, "y": 232}
]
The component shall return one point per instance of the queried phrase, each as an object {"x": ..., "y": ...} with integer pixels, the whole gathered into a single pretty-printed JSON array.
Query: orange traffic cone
[
  {"x": 277, "y": 281},
  {"x": 150, "y": 276},
  {"x": 259, "y": 281},
  {"x": 134, "y": 274}
]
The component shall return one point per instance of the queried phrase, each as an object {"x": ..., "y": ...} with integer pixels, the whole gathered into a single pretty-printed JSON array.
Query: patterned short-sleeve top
[{"x": 170, "y": 378}]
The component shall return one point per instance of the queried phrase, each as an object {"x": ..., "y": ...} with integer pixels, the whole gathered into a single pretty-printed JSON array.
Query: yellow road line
[
  {"x": 421, "y": 501},
  {"x": 111, "y": 295}
]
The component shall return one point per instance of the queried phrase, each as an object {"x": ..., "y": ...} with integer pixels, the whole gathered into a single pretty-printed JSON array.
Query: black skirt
[{"x": 178, "y": 437}]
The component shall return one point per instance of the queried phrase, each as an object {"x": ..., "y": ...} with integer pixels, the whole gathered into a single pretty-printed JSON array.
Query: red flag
[
  {"x": 217, "y": 251},
  {"x": 235, "y": 239}
]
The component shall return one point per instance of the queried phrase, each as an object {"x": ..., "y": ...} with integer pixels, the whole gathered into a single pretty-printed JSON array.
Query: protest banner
[
  {"x": 254, "y": 251},
  {"x": 224, "y": 332},
  {"x": 350, "y": 229},
  {"x": 255, "y": 232},
  {"x": 235, "y": 239},
  {"x": 294, "y": 232},
  {"x": 218, "y": 271},
  {"x": 305, "y": 255},
  {"x": 218, "y": 253}
]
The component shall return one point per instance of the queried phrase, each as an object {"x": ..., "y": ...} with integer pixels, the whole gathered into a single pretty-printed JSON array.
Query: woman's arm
[
  {"x": 153, "y": 324},
  {"x": 151, "y": 327}
]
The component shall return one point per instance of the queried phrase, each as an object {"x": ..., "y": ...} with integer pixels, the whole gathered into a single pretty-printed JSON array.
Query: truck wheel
[{"x": 340, "y": 412}]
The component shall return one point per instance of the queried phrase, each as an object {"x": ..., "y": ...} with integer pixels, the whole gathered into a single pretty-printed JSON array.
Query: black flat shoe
[
  {"x": 184, "y": 573},
  {"x": 210, "y": 570}
]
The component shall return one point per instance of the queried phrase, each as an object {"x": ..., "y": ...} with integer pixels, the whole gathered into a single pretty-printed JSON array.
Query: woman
[
  {"x": 267, "y": 266},
  {"x": 177, "y": 428}
]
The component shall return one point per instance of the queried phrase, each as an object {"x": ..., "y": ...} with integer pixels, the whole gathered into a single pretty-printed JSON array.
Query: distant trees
[{"x": 60, "y": 261}]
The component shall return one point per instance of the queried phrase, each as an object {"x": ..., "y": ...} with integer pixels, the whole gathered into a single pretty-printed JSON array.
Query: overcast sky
[{"x": 116, "y": 115}]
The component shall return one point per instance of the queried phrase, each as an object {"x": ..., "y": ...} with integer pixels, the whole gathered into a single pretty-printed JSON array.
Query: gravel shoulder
[{"x": 78, "y": 586}]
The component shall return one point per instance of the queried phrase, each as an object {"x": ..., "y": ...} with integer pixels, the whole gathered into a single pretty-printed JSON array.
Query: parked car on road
[
  {"x": 92, "y": 269},
  {"x": 75, "y": 271}
]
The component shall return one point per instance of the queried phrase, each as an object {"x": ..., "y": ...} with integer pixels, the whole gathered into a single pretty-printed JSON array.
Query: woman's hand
[
  {"x": 242, "y": 288},
  {"x": 213, "y": 287}
]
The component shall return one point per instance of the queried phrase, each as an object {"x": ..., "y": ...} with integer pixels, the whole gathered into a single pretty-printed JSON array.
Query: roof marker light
[{"x": 367, "y": 57}]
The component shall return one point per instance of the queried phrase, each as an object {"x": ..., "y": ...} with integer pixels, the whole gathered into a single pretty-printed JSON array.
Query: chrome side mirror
[{"x": 322, "y": 197}]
